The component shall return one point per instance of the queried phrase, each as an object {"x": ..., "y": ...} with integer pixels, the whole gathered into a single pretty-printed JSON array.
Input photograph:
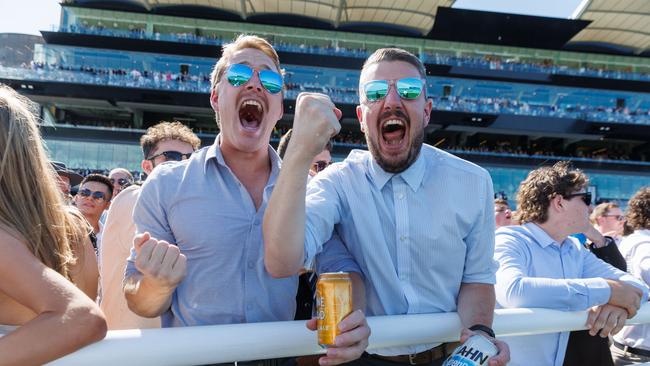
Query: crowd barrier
[{"x": 244, "y": 342}]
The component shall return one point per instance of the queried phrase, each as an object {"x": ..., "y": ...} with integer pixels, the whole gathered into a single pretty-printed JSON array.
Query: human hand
[
  {"x": 316, "y": 121},
  {"x": 625, "y": 296},
  {"x": 159, "y": 261},
  {"x": 350, "y": 344},
  {"x": 606, "y": 319},
  {"x": 503, "y": 351}
]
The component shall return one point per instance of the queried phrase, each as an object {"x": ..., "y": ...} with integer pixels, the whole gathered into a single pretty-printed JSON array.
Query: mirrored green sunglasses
[
  {"x": 407, "y": 88},
  {"x": 240, "y": 74}
]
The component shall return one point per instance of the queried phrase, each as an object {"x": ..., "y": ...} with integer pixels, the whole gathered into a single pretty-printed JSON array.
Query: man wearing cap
[{"x": 67, "y": 179}]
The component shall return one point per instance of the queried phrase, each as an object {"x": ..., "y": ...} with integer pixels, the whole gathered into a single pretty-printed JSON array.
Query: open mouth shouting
[
  {"x": 251, "y": 114},
  {"x": 393, "y": 133}
]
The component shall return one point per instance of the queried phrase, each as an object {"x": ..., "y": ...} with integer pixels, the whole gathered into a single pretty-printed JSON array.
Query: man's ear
[
  {"x": 147, "y": 166},
  {"x": 214, "y": 99},
  {"x": 557, "y": 203},
  {"x": 362, "y": 124},
  {"x": 427, "y": 111}
]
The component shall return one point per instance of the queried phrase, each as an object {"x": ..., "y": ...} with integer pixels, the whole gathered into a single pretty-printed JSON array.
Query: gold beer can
[{"x": 333, "y": 303}]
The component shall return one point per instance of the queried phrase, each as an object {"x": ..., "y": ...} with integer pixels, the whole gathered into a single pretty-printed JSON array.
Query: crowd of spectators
[
  {"x": 490, "y": 62},
  {"x": 200, "y": 83},
  {"x": 506, "y": 149}
]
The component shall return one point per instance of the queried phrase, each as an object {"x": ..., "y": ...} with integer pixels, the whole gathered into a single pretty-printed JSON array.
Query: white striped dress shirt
[{"x": 416, "y": 235}]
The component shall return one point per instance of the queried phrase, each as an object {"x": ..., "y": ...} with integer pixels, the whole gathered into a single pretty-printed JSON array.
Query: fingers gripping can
[
  {"x": 476, "y": 351},
  {"x": 333, "y": 303}
]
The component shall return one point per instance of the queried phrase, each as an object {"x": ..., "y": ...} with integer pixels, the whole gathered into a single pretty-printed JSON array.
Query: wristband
[{"x": 483, "y": 328}]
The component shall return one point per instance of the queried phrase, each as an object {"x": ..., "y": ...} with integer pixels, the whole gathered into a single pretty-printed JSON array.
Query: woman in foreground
[{"x": 44, "y": 251}]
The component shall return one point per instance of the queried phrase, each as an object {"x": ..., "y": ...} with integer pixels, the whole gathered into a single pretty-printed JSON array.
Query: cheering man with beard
[{"x": 418, "y": 221}]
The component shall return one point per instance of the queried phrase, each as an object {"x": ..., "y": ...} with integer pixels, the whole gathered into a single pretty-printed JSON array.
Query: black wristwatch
[{"x": 483, "y": 328}]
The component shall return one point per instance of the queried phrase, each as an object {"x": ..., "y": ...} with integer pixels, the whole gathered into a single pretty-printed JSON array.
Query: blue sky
[{"x": 31, "y": 16}]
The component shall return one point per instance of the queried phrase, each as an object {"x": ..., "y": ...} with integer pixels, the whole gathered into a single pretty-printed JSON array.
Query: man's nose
[
  {"x": 392, "y": 99},
  {"x": 255, "y": 82}
]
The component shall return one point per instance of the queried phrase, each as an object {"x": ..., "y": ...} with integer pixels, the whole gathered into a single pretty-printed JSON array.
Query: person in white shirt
[{"x": 632, "y": 344}]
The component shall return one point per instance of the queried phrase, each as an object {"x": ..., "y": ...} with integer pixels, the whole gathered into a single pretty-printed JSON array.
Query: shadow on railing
[{"x": 244, "y": 342}]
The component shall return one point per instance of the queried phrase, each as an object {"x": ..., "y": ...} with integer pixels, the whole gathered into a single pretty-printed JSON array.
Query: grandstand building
[{"x": 510, "y": 92}]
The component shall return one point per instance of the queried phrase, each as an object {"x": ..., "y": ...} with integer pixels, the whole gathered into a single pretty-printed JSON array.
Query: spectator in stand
[
  {"x": 632, "y": 344},
  {"x": 94, "y": 196},
  {"x": 166, "y": 141},
  {"x": 66, "y": 180},
  {"x": 120, "y": 178},
  {"x": 43, "y": 315},
  {"x": 502, "y": 212},
  {"x": 608, "y": 219},
  {"x": 542, "y": 266}
]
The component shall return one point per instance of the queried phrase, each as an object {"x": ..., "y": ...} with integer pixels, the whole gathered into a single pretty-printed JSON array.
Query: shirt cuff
[{"x": 598, "y": 291}]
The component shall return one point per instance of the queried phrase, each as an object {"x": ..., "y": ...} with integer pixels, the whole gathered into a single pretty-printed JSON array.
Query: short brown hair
[
  {"x": 243, "y": 41},
  {"x": 99, "y": 178},
  {"x": 638, "y": 209},
  {"x": 542, "y": 185},
  {"x": 501, "y": 201},
  {"x": 164, "y": 131},
  {"x": 602, "y": 210}
]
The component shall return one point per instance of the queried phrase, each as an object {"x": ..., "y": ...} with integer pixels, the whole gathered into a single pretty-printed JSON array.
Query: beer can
[
  {"x": 333, "y": 303},
  {"x": 476, "y": 351}
]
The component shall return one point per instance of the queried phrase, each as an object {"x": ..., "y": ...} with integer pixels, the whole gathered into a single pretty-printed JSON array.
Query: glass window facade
[{"x": 95, "y": 155}]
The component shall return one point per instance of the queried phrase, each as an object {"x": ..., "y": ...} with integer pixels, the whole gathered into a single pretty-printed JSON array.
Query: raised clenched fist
[{"x": 316, "y": 121}]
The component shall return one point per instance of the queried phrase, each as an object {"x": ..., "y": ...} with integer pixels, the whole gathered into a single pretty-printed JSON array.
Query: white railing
[{"x": 243, "y": 342}]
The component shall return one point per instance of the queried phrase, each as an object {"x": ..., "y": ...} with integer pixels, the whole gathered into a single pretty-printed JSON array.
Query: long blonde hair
[{"x": 31, "y": 206}]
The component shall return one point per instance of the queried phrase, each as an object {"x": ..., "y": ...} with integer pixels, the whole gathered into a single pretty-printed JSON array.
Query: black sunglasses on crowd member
[
  {"x": 96, "y": 195},
  {"x": 172, "y": 156},
  {"x": 122, "y": 182},
  {"x": 320, "y": 165},
  {"x": 586, "y": 197}
]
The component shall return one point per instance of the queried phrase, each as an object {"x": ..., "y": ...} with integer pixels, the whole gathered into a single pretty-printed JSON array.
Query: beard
[{"x": 395, "y": 166}]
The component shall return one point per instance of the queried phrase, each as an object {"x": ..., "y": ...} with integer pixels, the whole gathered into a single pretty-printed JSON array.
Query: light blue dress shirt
[
  {"x": 200, "y": 205},
  {"x": 537, "y": 272},
  {"x": 416, "y": 235}
]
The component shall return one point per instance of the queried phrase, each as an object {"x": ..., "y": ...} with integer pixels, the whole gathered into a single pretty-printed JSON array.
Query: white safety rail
[{"x": 244, "y": 342}]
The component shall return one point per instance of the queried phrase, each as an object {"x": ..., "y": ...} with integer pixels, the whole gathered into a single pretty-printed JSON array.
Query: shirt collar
[
  {"x": 540, "y": 236},
  {"x": 214, "y": 152},
  {"x": 413, "y": 175}
]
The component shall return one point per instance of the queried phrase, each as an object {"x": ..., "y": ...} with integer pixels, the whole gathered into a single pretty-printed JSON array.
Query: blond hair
[
  {"x": 243, "y": 41},
  {"x": 32, "y": 208},
  {"x": 602, "y": 210}
]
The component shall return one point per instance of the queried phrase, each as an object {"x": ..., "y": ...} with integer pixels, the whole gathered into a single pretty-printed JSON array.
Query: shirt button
[
  {"x": 249, "y": 307},
  {"x": 402, "y": 238},
  {"x": 251, "y": 264},
  {"x": 400, "y": 196}
]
